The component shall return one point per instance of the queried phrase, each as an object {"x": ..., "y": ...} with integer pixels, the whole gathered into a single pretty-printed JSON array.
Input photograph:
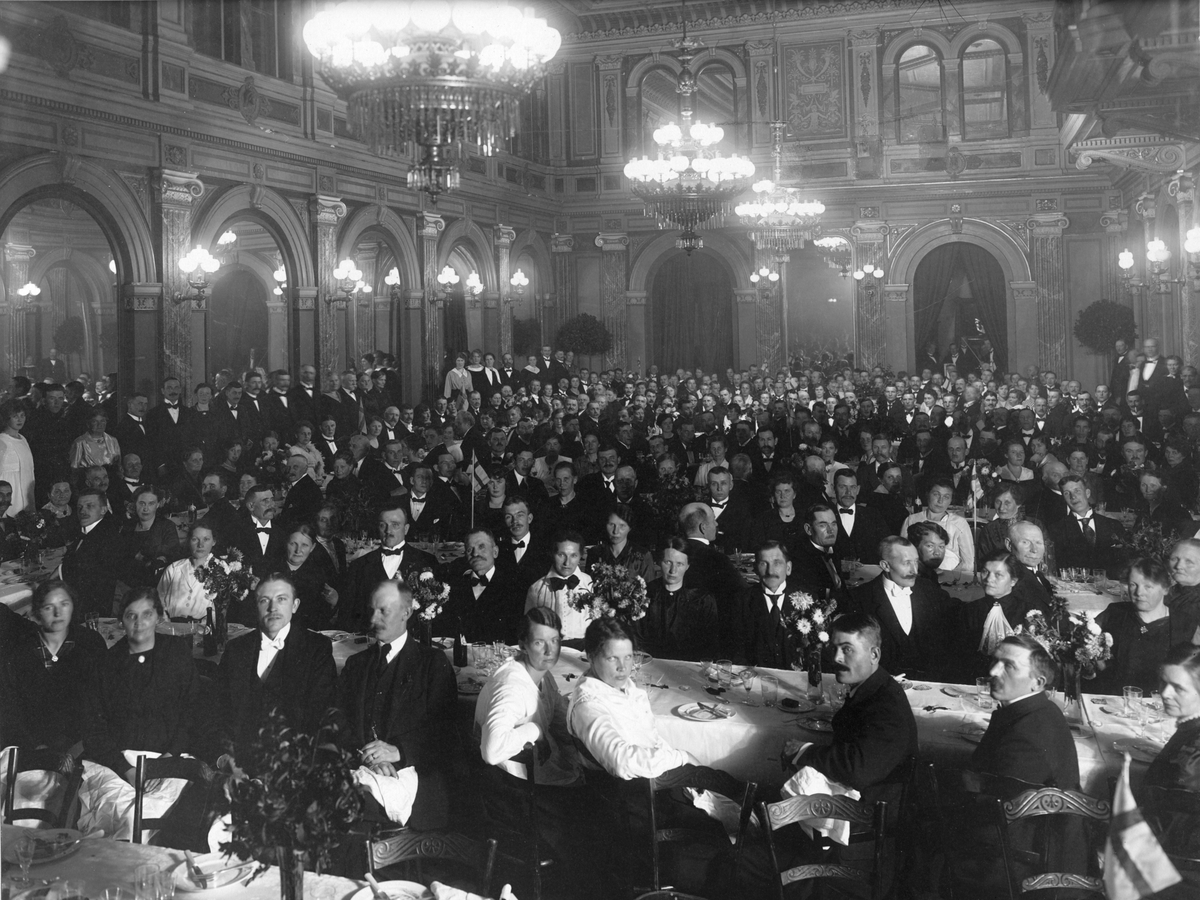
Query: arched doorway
[
  {"x": 691, "y": 313},
  {"x": 960, "y": 295},
  {"x": 237, "y": 321}
]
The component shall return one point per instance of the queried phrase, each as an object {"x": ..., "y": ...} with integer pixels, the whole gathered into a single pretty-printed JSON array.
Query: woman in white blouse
[
  {"x": 183, "y": 596},
  {"x": 16, "y": 460},
  {"x": 960, "y": 549},
  {"x": 520, "y": 704}
]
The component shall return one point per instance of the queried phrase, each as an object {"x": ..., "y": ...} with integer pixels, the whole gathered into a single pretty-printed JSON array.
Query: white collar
[
  {"x": 275, "y": 643},
  {"x": 894, "y": 590},
  {"x": 396, "y": 646}
]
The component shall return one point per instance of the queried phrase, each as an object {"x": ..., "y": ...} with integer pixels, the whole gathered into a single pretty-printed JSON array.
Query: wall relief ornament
[
  {"x": 864, "y": 75},
  {"x": 1042, "y": 66},
  {"x": 814, "y": 90},
  {"x": 57, "y": 46},
  {"x": 174, "y": 155},
  {"x": 1144, "y": 152}
]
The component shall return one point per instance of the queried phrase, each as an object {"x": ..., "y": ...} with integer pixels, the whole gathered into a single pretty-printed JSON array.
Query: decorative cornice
[
  {"x": 895, "y": 293},
  {"x": 1023, "y": 290},
  {"x": 636, "y": 298},
  {"x": 1145, "y": 152},
  {"x": 1047, "y": 225},
  {"x": 610, "y": 61}
]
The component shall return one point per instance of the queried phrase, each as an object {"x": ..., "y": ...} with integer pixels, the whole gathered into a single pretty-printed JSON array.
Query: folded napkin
[
  {"x": 721, "y": 808},
  {"x": 809, "y": 781},
  {"x": 394, "y": 793},
  {"x": 446, "y": 892}
]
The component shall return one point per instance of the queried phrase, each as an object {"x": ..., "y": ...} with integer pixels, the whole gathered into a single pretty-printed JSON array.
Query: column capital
[
  {"x": 179, "y": 188},
  {"x": 430, "y": 225},
  {"x": 612, "y": 241},
  {"x": 760, "y": 48},
  {"x": 864, "y": 38},
  {"x": 144, "y": 297},
  {"x": 1047, "y": 224},
  {"x": 562, "y": 243},
  {"x": 503, "y": 236},
  {"x": 19, "y": 252},
  {"x": 327, "y": 210},
  {"x": 636, "y": 298},
  {"x": 610, "y": 61},
  {"x": 1182, "y": 187},
  {"x": 413, "y": 298},
  {"x": 1023, "y": 290},
  {"x": 746, "y": 295},
  {"x": 1115, "y": 221},
  {"x": 895, "y": 292},
  {"x": 306, "y": 297},
  {"x": 869, "y": 229}
]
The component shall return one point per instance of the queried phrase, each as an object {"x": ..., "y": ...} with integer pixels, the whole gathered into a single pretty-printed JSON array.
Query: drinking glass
[
  {"x": 1133, "y": 700},
  {"x": 146, "y": 881},
  {"x": 725, "y": 672},
  {"x": 769, "y": 686},
  {"x": 24, "y": 848},
  {"x": 69, "y": 889},
  {"x": 118, "y": 892},
  {"x": 478, "y": 654},
  {"x": 705, "y": 668},
  {"x": 747, "y": 676},
  {"x": 837, "y": 696},
  {"x": 983, "y": 692}
]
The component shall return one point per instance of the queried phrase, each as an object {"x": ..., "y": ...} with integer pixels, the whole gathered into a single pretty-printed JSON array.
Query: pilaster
[
  {"x": 325, "y": 213},
  {"x": 1183, "y": 188},
  {"x": 430, "y": 227},
  {"x": 365, "y": 257},
  {"x": 635, "y": 333},
  {"x": 502, "y": 240},
  {"x": 746, "y": 306},
  {"x": 1116, "y": 225},
  {"x": 1039, "y": 51},
  {"x": 139, "y": 347},
  {"x": 16, "y": 274},
  {"x": 762, "y": 90},
  {"x": 304, "y": 298},
  {"x": 614, "y": 264},
  {"x": 1046, "y": 257},
  {"x": 768, "y": 329},
  {"x": 178, "y": 193},
  {"x": 556, "y": 93},
  {"x": 411, "y": 352},
  {"x": 864, "y": 68},
  {"x": 612, "y": 98},
  {"x": 872, "y": 317},
  {"x": 561, "y": 247},
  {"x": 277, "y": 336}
]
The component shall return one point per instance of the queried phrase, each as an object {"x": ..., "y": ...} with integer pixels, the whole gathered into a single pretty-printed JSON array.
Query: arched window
[
  {"x": 716, "y": 100},
  {"x": 658, "y": 104},
  {"x": 984, "y": 91},
  {"x": 919, "y": 106}
]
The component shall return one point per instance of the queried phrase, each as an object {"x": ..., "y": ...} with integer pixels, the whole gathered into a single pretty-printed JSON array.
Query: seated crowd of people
[{"x": 543, "y": 473}]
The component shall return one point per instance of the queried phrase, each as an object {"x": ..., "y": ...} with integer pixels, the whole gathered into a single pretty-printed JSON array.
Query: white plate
[
  {"x": 211, "y": 862},
  {"x": 470, "y": 685},
  {"x": 1142, "y": 751},
  {"x": 710, "y": 712},
  {"x": 954, "y": 692},
  {"x": 51, "y": 844},
  {"x": 816, "y": 722},
  {"x": 396, "y": 890},
  {"x": 336, "y": 636},
  {"x": 972, "y": 733}
]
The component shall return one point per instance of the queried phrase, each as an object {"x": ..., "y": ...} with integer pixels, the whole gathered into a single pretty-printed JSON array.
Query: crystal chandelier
[
  {"x": 436, "y": 73},
  {"x": 690, "y": 182},
  {"x": 777, "y": 217}
]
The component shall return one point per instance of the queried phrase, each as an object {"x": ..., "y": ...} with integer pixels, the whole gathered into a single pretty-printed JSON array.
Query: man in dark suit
[
  {"x": 399, "y": 699},
  {"x": 860, "y": 528},
  {"x": 1085, "y": 539},
  {"x": 131, "y": 432},
  {"x": 392, "y": 561},
  {"x": 600, "y": 488},
  {"x": 281, "y": 408},
  {"x": 224, "y": 520},
  {"x": 91, "y": 564},
  {"x": 874, "y": 733},
  {"x": 485, "y": 603},
  {"x": 52, "y": 368},
  {"x": 304, "y": 400},
  {"x": 303, "y": 498},
  {"x": 168, "y": 425},
  {"x": 518, "y": 481},
  {"x": 122, "y": 490},
  {"x": 526, "y": 556},
  {"x": 430, "y": 507},
  {"x": 279, "y": 666},
  {"x": 1151, "y": 380},
  {"x": 238, "y": 420},
  {"x": 816, "y": 565},
  {"x": 911, "y": 611},
  {"x": 765, "y": 640},
  {"x": 259, "y": 538},
  {"x": 327, "y": 442},
  {"x": 732, "y": 511},
  {"x": 349, "y": 406},
  {"x": 710, "y": 570}
]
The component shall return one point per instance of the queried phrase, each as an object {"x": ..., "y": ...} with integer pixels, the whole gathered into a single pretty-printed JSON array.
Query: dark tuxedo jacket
[
  {"x": 439, "y": 516},
  {"x": 302, "y": 503},
  {"x": 411, "y": 705},
  {"x": 136, "y": 438},
  {"x": 364, "y": 574},
  {"x": 709, "y": 570},
  {"x": 683, "y": 626},
  {"x": 300, "y": 684},
  {"x": 335, "y": 561},
  {"x": 734, "y": 524},
  {"x": 305, "y": 405},
  {"x": 873, "y": 734},
  {"x": 282, "y": 419},
  {"x": 809, "y": 572},
  {"x": 348, "y": 412},
  {"x": 763, "y": 643},
  {"x": 225, "y": 521},
  {"x": 1152, "y": 388},
  {"x": 863, "y": 543},
  {"x": 922, "y": 652},
  {"x": 495, "y": 615},
  {"x": 374, "y": 480},
  {"x": 1029, "y": 740},
  {"x": 535, "y": 562},
  {"x": 168, "y": 437},
  {"x": 91, "y": 566},
  {"x": 1071, "y": 550},
  {"x": 248, "y": 425},
  {"x": 327, "y": 449},
  {"x": 531, "y": 488},
  {"x": 245, "y": 538}
]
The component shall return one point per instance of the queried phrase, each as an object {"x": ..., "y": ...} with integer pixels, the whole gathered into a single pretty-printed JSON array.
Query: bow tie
[
  {"x": 132, "y": 481},
  {"x": 715, "y": 505},
  {"x": 264, "y": 530},
  {"x": 519, "y": 545},
  {"x": 416, "y": 499},
  {"x": 846, "y": 510},
  {"x": 477, "y": 579},
  {"x": 905, "y": 592},
  {"x": 137, "y": 419},
  {"x": 557, "y": 584},
  {"x": 270, "y": 644},
  {"x": 171, "y": 405},
  {"x": 392, "y": 551}
]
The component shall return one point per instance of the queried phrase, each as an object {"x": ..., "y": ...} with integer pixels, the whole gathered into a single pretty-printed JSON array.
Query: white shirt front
[
  {"x": 520, "y": 546},
  {"x": 269, "y": 648},
  {"x": 574, "y": 622},
  {"x": 263, "y": 539},
  {"x": 901, "y": 600},
  {"x": 391, "y": 564},
  {"x": 396, "y": 646},
  {"x": 847, "y": 518},
  {"x": 617, "y": 727}
]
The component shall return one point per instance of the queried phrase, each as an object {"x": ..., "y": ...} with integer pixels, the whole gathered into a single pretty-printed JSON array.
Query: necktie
[
  {"x": 392, "y": 551},
  {"x": 846, "y": 511},
  {"x": 832, "y": 569},
  {"x": 384, "y": 650},
  {"x": 775, "y": 611},
  {"x": 608, "y": 483},
  {"x": 557, "y": 584},
  {"x": 1088, "y": 534}
]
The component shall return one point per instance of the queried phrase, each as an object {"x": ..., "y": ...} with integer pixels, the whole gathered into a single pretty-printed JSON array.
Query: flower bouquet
[
  {"x": 616, "y": 593},
  {"x": 429, "y": 599},
  {"x": 34, "y": 527},
  {"x": 807, "y": 621},
  {"x": 228, "y": 581},
  {"x": 1073, "y": 640},
  {"x": 296, "y": 802}
]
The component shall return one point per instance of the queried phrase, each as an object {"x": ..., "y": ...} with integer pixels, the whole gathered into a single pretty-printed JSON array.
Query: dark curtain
[
  {"x": 237, "y": 321},
  {"x": 991, "y": 298},
  {"x": 691, "y": 315},
  {"x": 455, "y": 322},
  {"x": 931, "y": 287}
]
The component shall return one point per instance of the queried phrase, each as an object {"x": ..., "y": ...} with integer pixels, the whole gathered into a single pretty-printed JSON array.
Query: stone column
[
  {"x": 614, "y": 262},
  {"x": 1046, "y": 255},
  {"x": 1183, "y": 188},
  {"x": 140, "y": 348},
  {"x": 305, "y": 300},
  {"x": 430, "y": 226},
  {"x": 502, "y": 240},
  {"x": 549, "y": 316},
  {"x": 745, "y": 322},
  {"x": 278, "y": 356},
  {"x": 768, "y": 329},
  {"x": 871, "y": 317},
  {"x": 178, "y": 192},
  {"x": 1023, "y": 345},
  {"x": 410, "y": 352},
  {"x": 561, "y": 246},
  {"x": 383, "y": 302},
  {"x": 1116, "y": 224},
  {"x": 16, "y": 275},
  {"x": 364, "y": 318},
  {"x": 490, "y": 322},
  {"x": 637, "y": 354},
  {"x": 325, "y": 213}
]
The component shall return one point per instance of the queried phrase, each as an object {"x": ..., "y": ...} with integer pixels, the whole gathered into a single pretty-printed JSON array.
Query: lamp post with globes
[{"x": 197, "y": 265}]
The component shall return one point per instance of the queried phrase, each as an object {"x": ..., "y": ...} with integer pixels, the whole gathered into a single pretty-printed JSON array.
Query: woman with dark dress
[
  {"x": 680, "y": 623},
  {"x": 784, "y": 523},
  {"x": 618, "y": 550},
  {"x": 342, "y": 491},
  {"x": 1143, "y": 629},
  {"x": 312, "y": 574},
  {"x": 151, "y": 539},
  {"x": 1000, "y": 577}
]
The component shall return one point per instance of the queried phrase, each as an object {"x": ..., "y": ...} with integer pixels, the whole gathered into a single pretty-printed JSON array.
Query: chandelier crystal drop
[
  {"x": 431, "y": 72},
  {"x": 690, "y": 182},
  {"x": 779, "y": 219}
]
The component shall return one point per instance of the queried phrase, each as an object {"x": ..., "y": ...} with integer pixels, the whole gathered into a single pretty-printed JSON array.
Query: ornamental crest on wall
[{"x": 815, "y": 90}]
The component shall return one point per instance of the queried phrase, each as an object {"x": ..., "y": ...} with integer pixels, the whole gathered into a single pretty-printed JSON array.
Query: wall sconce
[
  {"x": 227, "y": 247},
  {"x": 280, "y": 277},
  {"x": 447, "y": 278},
  {"x": 197, "y": 264},
  {"x": 392, "y": 280},
  {"x": 1158, "y": 268},
  {"x": 349, "y": 281},
  {"x": 29, "y": 292},
  {"x": 868, "y": 271},
  {"x": 519, "y": 282},
  {"x": 765, "y": 280},
  {"x": 473, "y": 287}
]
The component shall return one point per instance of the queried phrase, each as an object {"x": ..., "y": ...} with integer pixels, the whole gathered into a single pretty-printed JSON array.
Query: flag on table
[{"x": 1135, "y": 864}]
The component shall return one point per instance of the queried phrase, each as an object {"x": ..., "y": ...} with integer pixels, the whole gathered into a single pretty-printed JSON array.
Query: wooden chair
[
  {"x": 150, "y": 768},
  {"x": 1171, "y": 813},
  {"x": 523, "y": 847},
  {"x": 392, "y": 847},
  {"x": 825, "y": 806},
  {"x": 1052, "y": 802},
  {"x": 48, "y": 761}
]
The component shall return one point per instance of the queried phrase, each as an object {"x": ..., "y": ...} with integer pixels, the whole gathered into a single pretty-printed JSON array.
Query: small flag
[{"x": 1135, "y": 864}]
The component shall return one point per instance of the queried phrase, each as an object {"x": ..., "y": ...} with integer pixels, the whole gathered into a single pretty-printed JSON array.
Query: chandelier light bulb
[
  {"x": 227, "y": 238},
  {"x": 833, "y": 299},
  {"x": 279, "y": 275},
  {"x": 519, "y": 279},
  {"x": 1191, "y": 243},
  {"x": 29, "y": 290},
  {"x": 447, "y": 277},
  {"x": 878, "y": 273},
  {"x": 1156, "y": 251},
  {"x": 755, "y": 277},
  {"x": 392, "y": 279},
  {"x": 1125, "y": 259},
  {"x": 473, "y": 284},
  {"x": 859, "y": 274},
  {"x": 774, "y": 276}
]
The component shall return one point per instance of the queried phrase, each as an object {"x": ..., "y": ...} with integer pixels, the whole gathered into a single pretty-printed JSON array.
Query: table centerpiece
[
  {"x": 1074, "y": 641},
  {"x": 807, "y": 620},
  {"x": 616, "y": 593},
  {"x": 429, "y": 599},
  {"x": 229, "y": 582}
]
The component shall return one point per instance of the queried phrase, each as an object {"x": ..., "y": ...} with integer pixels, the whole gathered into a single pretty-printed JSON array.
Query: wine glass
[
  {"x": 24, "y": 849},
  {"x": 747, "y": 677}
]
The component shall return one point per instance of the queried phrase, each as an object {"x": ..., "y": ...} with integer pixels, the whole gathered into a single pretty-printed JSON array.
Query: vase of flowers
[
  {"x": 228, "y": 581},
  {"x": 295, "y": 803},
  {"x": 33, "y": 527},
  {"x": 616, "y": 593},
  {"x": 1074, "y": 641},
  {"x": 429, "y": 599},
  {"x": 807, "y": 619}
]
